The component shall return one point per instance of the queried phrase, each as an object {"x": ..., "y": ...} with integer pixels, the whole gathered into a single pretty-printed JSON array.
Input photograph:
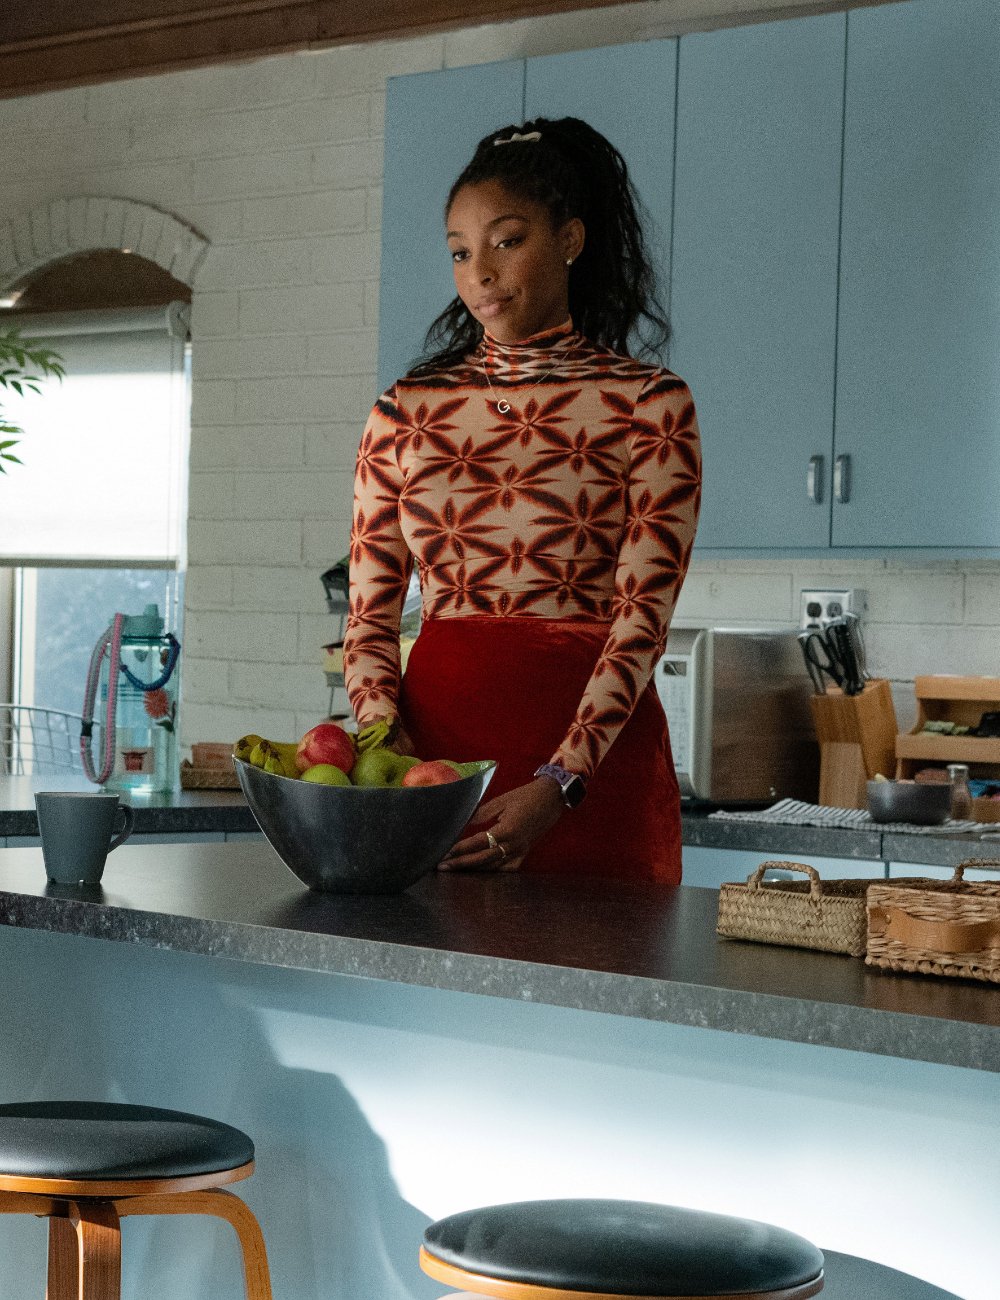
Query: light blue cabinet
[
  {"x": 900, "y": 870},
  {"x": 754, "y": 290},
  {"x": 710, "y": 868},
  {"x": 918, "y": 366},
  {"x": 433, "y": 122}
]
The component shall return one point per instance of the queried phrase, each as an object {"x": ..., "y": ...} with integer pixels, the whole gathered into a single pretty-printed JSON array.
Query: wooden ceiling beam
[{"x": 57, "y": 44}]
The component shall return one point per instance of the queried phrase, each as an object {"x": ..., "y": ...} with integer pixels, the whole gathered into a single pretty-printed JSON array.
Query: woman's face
[{"x": 509, "y": 260}]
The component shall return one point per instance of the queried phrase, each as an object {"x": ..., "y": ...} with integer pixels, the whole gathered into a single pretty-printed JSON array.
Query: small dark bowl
[
  {"x": 920, "y": 803},
  {"x": 360, "y": 839}
]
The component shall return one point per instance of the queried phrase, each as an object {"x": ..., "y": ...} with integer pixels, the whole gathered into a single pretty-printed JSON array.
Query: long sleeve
[
  {"x": 380, "y": 568},
  {"x": 663, "y": 493}
]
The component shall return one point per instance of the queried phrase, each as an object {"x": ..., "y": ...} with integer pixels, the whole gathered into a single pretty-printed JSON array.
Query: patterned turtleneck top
[{"x": 580, "y": 501}]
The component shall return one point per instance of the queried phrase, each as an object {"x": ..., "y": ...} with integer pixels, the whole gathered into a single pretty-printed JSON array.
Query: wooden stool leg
[
  {"x": 99, "y": 1242},
  {"x": 223, "y": 1205},
  {"x": 63, "y": 1277}
]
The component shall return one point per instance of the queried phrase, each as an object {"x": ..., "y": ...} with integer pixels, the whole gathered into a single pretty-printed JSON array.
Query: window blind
[{"x": 104, "y": 452}]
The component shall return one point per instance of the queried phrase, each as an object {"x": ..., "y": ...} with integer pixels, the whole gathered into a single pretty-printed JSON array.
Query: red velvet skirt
[{"x": 508, "y": 689}]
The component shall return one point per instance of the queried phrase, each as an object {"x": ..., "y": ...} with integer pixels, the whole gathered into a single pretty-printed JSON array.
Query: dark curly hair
[{"x": 573, "y": 171}]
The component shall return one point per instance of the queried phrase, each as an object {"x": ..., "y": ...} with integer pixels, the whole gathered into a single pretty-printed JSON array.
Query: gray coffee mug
[{"x": 78, "y": 833}]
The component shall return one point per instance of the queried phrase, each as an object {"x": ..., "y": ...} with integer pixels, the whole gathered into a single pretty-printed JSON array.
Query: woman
[{"x": 547, "y": 486}]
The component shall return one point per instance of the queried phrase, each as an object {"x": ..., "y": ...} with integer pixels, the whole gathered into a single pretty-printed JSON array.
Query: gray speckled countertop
[
  {"x": 631, "y": 950},
  {"x": 197, "y": 812},
  {"x": 184, "y": 812}
]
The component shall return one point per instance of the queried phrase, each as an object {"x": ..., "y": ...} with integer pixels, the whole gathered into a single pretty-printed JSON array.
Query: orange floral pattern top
[{"x": 578, "y": 502}]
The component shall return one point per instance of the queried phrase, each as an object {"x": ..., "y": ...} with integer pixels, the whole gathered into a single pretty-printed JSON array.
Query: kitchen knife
[
  {"x": 858, "y": 643},
  {"x": 842, "y": 644},
  {"x": 820, "y": 661}
]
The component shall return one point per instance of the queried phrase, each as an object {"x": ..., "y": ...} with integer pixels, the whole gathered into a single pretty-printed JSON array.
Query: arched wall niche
[{"x": 65, "y": 229}]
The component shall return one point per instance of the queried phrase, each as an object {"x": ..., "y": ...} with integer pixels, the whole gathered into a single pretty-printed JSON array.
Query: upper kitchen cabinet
[
  {"x": 754, "y": 291},
  {"x": 433, "y": 122},
  {"x": 918, "y": 369},
  {"x": 627, "y": 93}
]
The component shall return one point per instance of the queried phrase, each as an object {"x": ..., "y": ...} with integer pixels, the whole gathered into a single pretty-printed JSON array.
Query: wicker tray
[
  {"x": 946, "y": 927},
  {"x": 828, "y": 916},
  {"x": 208, "y": 778}
]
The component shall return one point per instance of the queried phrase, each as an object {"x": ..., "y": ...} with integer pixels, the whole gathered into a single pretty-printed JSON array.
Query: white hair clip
[{"x": 518, "y": 138}]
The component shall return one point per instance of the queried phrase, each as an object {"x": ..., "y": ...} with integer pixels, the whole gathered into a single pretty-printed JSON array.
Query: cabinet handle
[
  {"x": 814, "y": 480},
  {"x": 842, "y": 479}
]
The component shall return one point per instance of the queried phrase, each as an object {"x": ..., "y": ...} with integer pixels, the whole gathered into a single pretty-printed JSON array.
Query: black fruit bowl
[{"x": 360, "y": 839}]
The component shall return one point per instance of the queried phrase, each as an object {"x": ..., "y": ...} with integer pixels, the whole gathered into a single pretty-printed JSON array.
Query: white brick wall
[{"x": 278, "y": 164}]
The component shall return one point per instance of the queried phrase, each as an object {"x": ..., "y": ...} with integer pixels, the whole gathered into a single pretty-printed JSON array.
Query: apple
[
  {"x": 435, "y": 772},
  {"x": 325, "y": 774},
  {"x": 325, "y": 743},
  {"x": 381, "y": 766}
]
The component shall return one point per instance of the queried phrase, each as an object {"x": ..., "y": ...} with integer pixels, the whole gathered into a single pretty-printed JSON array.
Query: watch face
[{"x": 574, "y": 791}]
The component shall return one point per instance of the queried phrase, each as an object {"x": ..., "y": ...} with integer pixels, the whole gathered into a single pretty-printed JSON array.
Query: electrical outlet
[{"x": 816, "y": 608}]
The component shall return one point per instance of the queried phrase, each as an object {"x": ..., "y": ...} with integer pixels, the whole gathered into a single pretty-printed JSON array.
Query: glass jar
[{"x": 961, "y": 799}]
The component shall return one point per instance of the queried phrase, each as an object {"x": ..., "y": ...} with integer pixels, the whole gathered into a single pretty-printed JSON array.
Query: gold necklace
[{"x": 503, "y": 407}]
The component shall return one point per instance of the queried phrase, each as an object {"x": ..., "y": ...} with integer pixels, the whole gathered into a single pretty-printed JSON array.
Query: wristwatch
[{"x": 573, "y": 787}]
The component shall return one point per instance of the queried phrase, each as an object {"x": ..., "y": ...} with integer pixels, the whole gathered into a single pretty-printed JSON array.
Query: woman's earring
[{"x": 569, "y": 261}]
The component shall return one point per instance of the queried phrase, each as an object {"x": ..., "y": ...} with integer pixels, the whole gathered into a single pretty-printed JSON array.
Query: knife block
[{"x": 857, "y": 739}]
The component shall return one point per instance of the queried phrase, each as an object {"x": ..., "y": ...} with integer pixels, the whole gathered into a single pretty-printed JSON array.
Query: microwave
[{"x": 737, "y": 706}]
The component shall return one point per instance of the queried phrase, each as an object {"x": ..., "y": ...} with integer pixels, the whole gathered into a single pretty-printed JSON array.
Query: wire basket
[{"x": 39, "y": 742}]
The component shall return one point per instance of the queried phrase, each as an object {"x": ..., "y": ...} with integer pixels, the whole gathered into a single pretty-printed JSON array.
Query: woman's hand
[
  {"x": 401, "y": 742},
  {"x": 515, "y": 819}
]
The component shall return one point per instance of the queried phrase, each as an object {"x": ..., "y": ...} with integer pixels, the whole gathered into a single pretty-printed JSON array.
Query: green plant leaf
[{"x": 25, "y": 364}]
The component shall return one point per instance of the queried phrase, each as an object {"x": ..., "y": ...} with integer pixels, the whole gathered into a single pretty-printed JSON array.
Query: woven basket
[
  {"x": 946, "y": 927},
  {"x": 828, "y": 916},
  {"x": 208, "y": 778}
]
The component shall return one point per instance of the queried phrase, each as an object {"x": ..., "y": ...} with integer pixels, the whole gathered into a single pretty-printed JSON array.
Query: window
[{"x": 94, "y": 521}]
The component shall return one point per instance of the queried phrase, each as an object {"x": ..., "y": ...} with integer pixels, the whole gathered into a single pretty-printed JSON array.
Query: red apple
[
  {"x": 325, "y": 743},
  {"x": 435, "y": 772}
]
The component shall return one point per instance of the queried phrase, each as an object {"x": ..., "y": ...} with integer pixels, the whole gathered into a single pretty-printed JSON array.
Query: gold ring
[{"x": 494, "y": 843}]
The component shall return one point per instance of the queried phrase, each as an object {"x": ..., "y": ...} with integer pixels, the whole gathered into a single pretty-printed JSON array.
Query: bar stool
[
  {"x": 617, "y": 1250},
  {"x": 86, "y": 1165}
]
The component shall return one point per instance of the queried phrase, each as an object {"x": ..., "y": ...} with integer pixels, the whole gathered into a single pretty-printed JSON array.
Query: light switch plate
[{"x": 817, "y": 607}]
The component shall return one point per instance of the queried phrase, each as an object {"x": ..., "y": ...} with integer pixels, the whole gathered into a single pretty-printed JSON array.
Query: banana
[
  {"x": 285, "y": 752},
  {"x": 375, "y": 736},
  {"x": 244, "y": 745},
  {"x": 276, "y": 756}
]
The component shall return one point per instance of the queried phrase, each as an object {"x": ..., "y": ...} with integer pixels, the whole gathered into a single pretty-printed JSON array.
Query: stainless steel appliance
[{"x": 741, "y": 728}]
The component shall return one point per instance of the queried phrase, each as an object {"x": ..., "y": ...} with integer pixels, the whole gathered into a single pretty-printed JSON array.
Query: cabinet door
[
  {"x": 754, "y": 291},
  {"x": 899, "y": 870},
  {"x": 918, "y": 369},
  {"x": 710, "y": 868},
  {"x": 627, "y": 93},
  {"x": 433, "y": 122}
]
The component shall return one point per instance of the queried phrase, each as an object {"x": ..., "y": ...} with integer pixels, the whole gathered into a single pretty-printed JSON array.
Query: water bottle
[{"x": 146, "y": 711}]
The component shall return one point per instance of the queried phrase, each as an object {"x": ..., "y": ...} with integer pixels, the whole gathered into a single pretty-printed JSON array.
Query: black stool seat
[
  {"x": 623, "y": 1248},
  {"x": 84, "y": 1140}
]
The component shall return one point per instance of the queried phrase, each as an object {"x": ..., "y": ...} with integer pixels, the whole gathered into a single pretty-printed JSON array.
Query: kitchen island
[{"x": 620, "y": 1049}]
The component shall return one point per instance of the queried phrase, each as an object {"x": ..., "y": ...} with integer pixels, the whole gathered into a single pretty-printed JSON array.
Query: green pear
[
  {"x": 325, "y": 774},
  {"x": 380, "y": 766}
]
